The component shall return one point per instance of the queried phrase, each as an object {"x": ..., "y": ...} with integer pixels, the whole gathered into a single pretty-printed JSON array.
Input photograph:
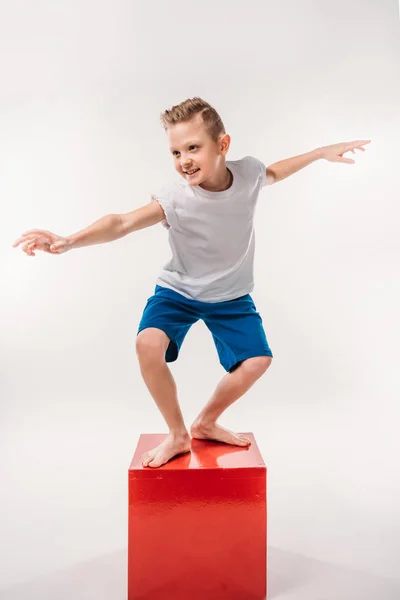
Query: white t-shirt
[{"x": 211, "y": 235}]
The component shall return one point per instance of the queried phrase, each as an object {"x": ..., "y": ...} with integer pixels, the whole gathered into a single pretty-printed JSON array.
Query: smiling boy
[{"x": 208, "y": 215}]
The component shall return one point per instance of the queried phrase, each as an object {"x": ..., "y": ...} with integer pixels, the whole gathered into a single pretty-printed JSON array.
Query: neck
[{"x": 220, "y": 183}]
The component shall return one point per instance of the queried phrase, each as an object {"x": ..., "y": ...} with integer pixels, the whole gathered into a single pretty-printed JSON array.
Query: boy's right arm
[
  {"x": 142, "y": 217},
  {"x": 108, "y": 228}
]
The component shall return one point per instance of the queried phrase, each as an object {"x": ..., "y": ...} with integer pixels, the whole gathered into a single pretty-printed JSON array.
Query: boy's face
[{"x": 193, "y": 148}]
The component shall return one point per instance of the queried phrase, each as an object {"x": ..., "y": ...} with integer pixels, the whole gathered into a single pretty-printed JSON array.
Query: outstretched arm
[
  {"x": 107, "y": 229},
  {"x": 334, "y": 153}
]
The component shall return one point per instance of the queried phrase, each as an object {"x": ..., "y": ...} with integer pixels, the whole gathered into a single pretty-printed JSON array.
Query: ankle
[
  {"x": 204, "y": 422},
  {"x": 179, "y": 434}
]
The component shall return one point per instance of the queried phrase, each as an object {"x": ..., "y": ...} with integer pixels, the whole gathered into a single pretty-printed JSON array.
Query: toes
[
  {"x": 150, "y": 460},
  {"x": 146, "y": 458},
  {"x": 154, "y": 462},
  {"x": 244, "y": 441}
]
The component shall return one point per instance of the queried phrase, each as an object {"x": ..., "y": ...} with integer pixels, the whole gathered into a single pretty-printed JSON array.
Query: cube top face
[{"x": 204, "y": 455}]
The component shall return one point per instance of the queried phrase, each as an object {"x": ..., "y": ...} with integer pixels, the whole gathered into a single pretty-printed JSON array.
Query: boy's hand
[
  {"x": 39, "y": 239},
  {"x": 334, "y": 153}
]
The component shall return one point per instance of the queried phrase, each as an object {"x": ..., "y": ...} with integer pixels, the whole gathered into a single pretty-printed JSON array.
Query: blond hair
[{"x": 187, "y": 109}]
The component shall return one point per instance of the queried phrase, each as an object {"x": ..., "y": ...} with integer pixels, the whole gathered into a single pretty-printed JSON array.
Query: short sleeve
[
  {"x": 165, "y": 198},
  {"x": 256, "y": 170},
  {"x": 261, "y": 170}
]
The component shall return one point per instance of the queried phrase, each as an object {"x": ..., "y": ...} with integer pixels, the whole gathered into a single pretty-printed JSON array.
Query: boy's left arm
[{"x": 334, "y": 153}]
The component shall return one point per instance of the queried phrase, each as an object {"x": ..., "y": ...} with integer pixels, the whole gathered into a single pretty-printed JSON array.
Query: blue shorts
[{"x": 236, "y": 326}]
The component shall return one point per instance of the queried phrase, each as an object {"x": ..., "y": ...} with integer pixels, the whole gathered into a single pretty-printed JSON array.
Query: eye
[{"x": 176, "y": 152}]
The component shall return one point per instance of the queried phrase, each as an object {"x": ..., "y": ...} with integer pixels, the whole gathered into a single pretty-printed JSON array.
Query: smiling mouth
[{"x": 191, "y": 173}]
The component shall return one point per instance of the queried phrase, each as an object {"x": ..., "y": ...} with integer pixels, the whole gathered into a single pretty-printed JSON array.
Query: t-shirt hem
[{"x": 213, "y": 299}]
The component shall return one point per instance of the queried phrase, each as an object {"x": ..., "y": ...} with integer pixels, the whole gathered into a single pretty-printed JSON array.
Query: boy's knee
[
  {"x": 151, "y": 343},
  {"x": 257, "y": 365}
]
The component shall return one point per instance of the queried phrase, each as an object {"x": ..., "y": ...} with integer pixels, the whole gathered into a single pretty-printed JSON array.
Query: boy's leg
[
  {"x": 243, "y": 351},
  {"x": 166, "y": 319},
  {"x": 151, "y": 346},
  {"x": 232, "y": 386}
]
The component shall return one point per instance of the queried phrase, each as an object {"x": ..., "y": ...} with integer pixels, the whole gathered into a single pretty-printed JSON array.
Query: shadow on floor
[{"x": 290, "y": 577}]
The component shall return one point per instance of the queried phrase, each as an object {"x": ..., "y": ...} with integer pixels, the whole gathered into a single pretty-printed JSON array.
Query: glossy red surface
[{"x": 198, "y": 525}]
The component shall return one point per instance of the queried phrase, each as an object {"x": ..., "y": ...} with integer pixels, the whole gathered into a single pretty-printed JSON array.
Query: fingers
[
  {"x": 23, "y": 238},
  {"x": 24, "y": 243},
  {"x": 358, "y": 144},
  {"x": 28, "y": 248},
  {"x": 32, "y": 237},
  {"x": 36, "y": 231},
  {"x": 31, "y": 242},
  {"x": 57, "y": 247},
  {"x": 32, "y": 234},
  {"x": 351, "y": 146}
]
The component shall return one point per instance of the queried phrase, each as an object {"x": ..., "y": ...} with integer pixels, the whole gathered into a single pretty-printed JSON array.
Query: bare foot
[
  {"x": 169, "y": 448},
  {"x": 213, "y": 431}
]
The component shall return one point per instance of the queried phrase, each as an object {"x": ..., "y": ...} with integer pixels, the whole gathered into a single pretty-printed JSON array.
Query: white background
[{"x": 83, "y": 85}]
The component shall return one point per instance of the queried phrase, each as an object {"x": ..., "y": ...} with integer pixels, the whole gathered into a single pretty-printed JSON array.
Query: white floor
[{"x": 290, "y": 577}]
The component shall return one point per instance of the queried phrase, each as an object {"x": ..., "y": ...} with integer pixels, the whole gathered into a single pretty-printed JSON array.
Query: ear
[{"x": 224, "y": 143}]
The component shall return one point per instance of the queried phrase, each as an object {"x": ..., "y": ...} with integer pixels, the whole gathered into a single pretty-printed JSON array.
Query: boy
[{"x": 209, "y": 218}]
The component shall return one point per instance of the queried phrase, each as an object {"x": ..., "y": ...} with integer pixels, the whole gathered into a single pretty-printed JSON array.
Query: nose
[{"x": 185, "y": 162}]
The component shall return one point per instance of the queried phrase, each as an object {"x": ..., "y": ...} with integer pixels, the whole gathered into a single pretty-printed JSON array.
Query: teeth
[{"x": 190, "y": 172}]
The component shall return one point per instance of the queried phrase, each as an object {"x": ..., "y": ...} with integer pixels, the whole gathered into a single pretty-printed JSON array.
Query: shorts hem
[
  {"x": 155, "y": 326},
  {"x": 246, "y": 355}
]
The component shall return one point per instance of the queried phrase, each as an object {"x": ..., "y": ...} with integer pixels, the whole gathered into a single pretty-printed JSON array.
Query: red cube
[{"x": 197, "y": 526}]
